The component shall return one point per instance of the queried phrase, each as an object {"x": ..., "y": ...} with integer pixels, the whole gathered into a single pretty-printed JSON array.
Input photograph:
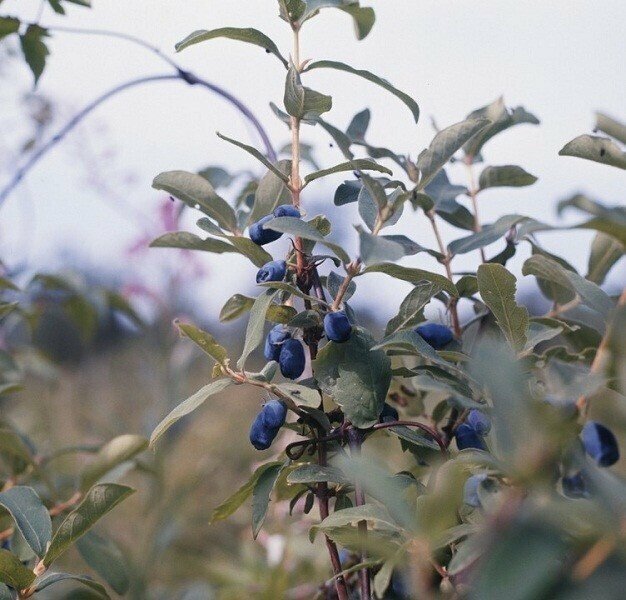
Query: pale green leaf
[
  {"x": 254, "y": 152},
  {"x": 598, "y": 149},
  {"x": 413, "y": 276},
  {"x": 256, "y": 324},
  {"x": 106, "y": 559},
  {"x": 204, "y": 340},
  {"x": 360, "y": 163},
  {"x": 505, "y": 176}
]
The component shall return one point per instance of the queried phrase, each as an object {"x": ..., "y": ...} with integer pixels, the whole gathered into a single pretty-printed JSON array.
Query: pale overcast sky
[{"x": 561, "y": 59}]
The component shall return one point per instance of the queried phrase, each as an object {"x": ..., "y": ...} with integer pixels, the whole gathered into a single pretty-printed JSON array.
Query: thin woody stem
[
  {"x": 473, "y": 191},
  {"x": 447, "y": 259}
]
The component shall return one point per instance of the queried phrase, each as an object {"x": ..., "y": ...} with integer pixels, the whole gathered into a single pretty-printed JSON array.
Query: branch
[{"x": 181, "y": 74}]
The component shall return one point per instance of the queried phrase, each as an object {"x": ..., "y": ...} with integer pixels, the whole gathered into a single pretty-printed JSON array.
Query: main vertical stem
[{"x": 296, "y": 187}]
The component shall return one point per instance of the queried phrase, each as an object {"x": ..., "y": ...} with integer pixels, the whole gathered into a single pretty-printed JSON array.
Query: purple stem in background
[{"x": 181, "y": 74}]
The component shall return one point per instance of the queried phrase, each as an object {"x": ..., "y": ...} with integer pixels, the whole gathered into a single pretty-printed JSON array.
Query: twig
[
  {"x": 181, "y": 74},
  {"x": 473, "y": 191}
]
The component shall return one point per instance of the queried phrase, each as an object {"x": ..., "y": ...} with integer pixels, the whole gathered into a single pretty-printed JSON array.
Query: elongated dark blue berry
[
  {"x": 600, "y": 443},
  {"x": 274, "y": 341},
  {"x": 466, "y": 437},
  {"x": 337, "y": 327},
  {"x": 262, "y": 236},
  {"x": 272, "y": 271},
  {"x": 291, "y": 359},
  {"x": 574, "y": 485},
  {"x": 286, "y": 210},
  {"x": 274, "y": 413},
  {"x": 479, "y": 421},
  {"x": 261, "y": 436},
  {"x": 435, "y": 334}
]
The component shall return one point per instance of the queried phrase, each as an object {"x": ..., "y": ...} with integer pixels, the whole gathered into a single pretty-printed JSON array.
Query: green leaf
[
  {"x": 605, "y": 252},
  {"x": 5, "y": 592},
  {"x": 374, "y": 249},
  {"x": 359, "y": 163},
  {"x": 411, "y": 342},
  {"x": 334, "y": 281},
  {"x": 261, "y": 496},
  {"x": 256, "y": 324},
  {"x": 411, "y": 310},
  {"x": 30, "y": 515},
  {"x": 301, "y": 395},
  {"x": 249, "y": 249},
  {"x": 487, "y": 235},
  {"x": 206, "y": 341},
  {"x": 332, "y": 64},
  {"x": 248, "y": 35},
  {"x": 363, "y": 17},
  {"x": 598, "y": 149},
  {"x": 34, "y": 49},
  {"x": 616, "y": 129},
  {"x": 293, "y": 290},
  {"x": 414, "y": 437},
  {"x": 235, "y": 306},
  {"x": 271, "y": 192},
  {"x": 590, "y": 294},
  {"x": 98, "y": 501},
  {"x": 356, "y": 377},
  {"x": 49, "y": 579},
  {"x": 196, "y": 192},
  {"x": 501, "y": 119},
  {"x": 13, "y": 445},
  {"x": 358, "y": 126},
  {"x": 340, "y": 138},
  {"x": 313, "y": 473},
  {"x": 232, "y": 503},
  {"x": 505, "y": 176},
  {"x": 188, "y": 406},
  {"x": 497, "y": 287},
  {"x": 8, "y": 25},
  {"x": 374, "y": 514},
  {"x": 260, "y": 157},
  {"x": 112, "y": 454},
  {"x": 303, "y": 229},
  {"x": 13, "y": 572},
  {"x": 413, "y": 276},
  {"x": 106, "y": 559},
  {"x": 302, "y": 102},
  {"x": 444, "y": 146},
  {"x": 524, "y": 563},
  {"x": 190, "y": 241}
]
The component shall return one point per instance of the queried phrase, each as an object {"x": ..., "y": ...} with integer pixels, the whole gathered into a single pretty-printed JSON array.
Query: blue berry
[
  {"x": 479, "y": 422},
  {"x": 274, "y": 414},
  {"x": 600, "y": 443},
  {"x": 291, "y": 359},
  {"x": 337, "y": 327},
  {"x": 274, "y": 342},
  {"x": 470, "y": 489},
  {"x": 435, "y": 334},
  {"x": 262, "y": 236},
  {"x": 389, "y": 413},
  {"x": 287, "y": 210},
  {"x": 574, "y": 485},
  {"x": 467, "y": 437},
  {"x": 272, "y": 271},
  {"x": 261, "y": 437}
]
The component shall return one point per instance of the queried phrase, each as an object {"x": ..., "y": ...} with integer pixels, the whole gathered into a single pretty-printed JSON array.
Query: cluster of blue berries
[
  {"x": 601, "y": 445},
  {"x": 267, "y": 423},
  {"x": 471, "y": 433},
  {"x": 261, "y": 236},
  {"x": 286, "y": 351}
]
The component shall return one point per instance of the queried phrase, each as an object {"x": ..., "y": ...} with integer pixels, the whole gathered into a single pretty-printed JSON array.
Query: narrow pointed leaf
[
  {"x": 361, "y": 163},
  {"x": 413, "y": 276},
  {"x": 505, "y": 176},
  {"x": 497, "y": 288},
  {"x": 204, "y": 340},
  {"x": 188, "y": 406},
  {"x": 260, "y": 157},
  {"x": 598, "y": 149},
  {"x": 248, "y": 35},
  {"x": 106, "y": 559},
  {"x": 196, "y": 192},
  {"x": 98, "y": 501},
  {"x": 256, "y": 324},
  {"x": 30, "y": 515},
  {"x": 261, "y": 496},
  {"x": 49, "y": 579},
  {"x": 405, "y": 98},
  {"x": 13, "y": 572},
  {"x": 185, "y": 240}
]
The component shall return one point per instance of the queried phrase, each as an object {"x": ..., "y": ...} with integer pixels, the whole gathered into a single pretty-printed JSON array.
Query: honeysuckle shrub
[{"x": 510, "y": 421}]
